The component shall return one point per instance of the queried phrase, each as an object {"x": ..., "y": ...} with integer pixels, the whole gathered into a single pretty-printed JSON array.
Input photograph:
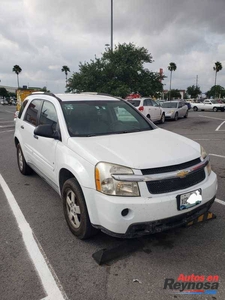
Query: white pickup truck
[{"x": 208, "y": 104}]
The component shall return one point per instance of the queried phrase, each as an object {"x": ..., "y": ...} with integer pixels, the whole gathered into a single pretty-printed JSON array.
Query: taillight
[{"x": 141, "y": 108}]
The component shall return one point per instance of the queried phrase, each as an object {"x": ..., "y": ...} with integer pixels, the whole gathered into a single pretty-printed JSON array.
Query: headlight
[
  {"x": 204, "y": 155},
  {"x": 170, "y": 111},
  {"x": 107, "y": 185}
]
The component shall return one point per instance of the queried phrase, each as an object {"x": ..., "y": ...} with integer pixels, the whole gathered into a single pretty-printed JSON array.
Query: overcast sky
[{"x": 43, "y": 35}]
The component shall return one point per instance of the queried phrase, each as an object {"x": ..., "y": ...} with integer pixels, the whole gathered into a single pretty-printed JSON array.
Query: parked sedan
[
  {"x": 149, "y": 108},
  {"x": 175, "y": 109}
]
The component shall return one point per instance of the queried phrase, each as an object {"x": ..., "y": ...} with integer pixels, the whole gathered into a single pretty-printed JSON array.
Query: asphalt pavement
[{"x": 198, "y": 249}]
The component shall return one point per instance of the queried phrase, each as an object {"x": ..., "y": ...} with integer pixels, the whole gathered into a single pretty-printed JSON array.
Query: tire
[
  {"x": 195, "y": 108},
  {"x": 222, "y": 109},
  {"x": 186, "y": 115},
  {"x": 22, "y": 164},
  {"x": 176, "y": 116},
  {"x": 162, "y": 121},
  {"x": 215, "y": 109},
  {"x": 75, "y": 210}
]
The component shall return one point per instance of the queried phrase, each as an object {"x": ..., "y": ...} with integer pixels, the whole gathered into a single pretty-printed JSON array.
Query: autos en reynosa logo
[{"x": 193, "y": 284}]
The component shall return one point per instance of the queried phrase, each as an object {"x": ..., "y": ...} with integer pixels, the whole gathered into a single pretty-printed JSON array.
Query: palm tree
[
  {"x": 66, "y": 70},
  {"x": 17, "y": 70},
  {"x": 172, "y": 67},
  {"x": 218, "y": 67}
]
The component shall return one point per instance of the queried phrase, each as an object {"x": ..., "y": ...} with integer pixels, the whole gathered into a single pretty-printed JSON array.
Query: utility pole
[
  {"x": 196, "y": 81},
  {"x": 112, "y": 25}
]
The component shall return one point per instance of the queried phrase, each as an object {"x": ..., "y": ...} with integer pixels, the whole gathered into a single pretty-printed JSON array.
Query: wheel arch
[
  {"x": 16, "y": 141},
  {"x": 64, "y": 175}
]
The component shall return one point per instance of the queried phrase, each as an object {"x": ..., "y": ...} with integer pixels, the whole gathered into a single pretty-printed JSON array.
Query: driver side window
[{"x": 48, "y": 115}]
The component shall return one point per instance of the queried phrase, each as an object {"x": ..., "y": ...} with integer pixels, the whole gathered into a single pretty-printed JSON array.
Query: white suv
[
  {"x": 114, "y": 169},
  {"x": 149, "y": 108}
]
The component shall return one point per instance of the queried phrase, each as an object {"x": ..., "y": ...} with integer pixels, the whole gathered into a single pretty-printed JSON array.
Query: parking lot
[{"x": 198, "y": 249}]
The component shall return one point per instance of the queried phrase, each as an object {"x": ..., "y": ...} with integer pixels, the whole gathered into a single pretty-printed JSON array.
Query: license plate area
[{"x": 188, "y": 200}]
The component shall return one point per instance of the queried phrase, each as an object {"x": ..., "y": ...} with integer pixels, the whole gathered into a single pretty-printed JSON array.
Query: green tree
[
  {"x": 172, "y": 67},
  {"x": 4, "y": 93},
  {"x": 216, "y": 91},
  {"x": 17, "y": 70},
  {"x": 218, "y": 67},
  {"x": 65, "y": 69},
  {"x": 117, "y": 73},
  {"x": 193, "y": 91},
  {"x": 173, "y": 94}
]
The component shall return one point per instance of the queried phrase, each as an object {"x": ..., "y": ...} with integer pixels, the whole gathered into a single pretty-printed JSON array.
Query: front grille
[
  {"x": 174, "y": 184},
  {"x": 171, "y": 168}
]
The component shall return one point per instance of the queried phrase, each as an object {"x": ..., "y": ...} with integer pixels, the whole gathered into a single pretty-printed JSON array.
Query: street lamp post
[{"x": 112, "y": 25}]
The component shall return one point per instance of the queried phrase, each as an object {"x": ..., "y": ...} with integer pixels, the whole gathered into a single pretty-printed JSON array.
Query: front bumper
[
  {"x": 152, "y": 211},
  {"x": 170, "y": 115},
  {"x": 145, "y": 228}
]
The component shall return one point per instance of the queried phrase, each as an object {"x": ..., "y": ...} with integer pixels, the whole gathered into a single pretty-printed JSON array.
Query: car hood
[{"x": 139, "y": 150}]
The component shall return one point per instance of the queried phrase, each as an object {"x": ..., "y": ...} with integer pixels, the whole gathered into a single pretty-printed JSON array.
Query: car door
[
  {"x": 26, "y": 128},
  {"x": 45, "y": 147},
  {"x": 146, "y": 111},
  {"x": 157, "y": 110},
  {"x": 150, "y": 109},
  {"x": 179, "y": 109},
  {"x": 183, "y": 109},
  {"x": 207, "y": 105}
]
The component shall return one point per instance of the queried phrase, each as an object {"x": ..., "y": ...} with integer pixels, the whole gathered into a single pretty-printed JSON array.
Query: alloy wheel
[{"x": 73, "y": 209}]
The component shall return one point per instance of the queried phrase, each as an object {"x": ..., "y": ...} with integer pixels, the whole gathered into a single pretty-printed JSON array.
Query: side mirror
[{"x": 47, "y": 131}]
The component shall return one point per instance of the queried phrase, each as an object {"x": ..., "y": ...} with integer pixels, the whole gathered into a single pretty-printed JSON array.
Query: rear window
[
  {"x": 169, "y": 104},
  {"x": 135, "y": 103}
]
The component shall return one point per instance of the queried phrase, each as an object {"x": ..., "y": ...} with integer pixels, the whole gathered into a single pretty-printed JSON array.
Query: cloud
[{"x": 41, "y": 36}]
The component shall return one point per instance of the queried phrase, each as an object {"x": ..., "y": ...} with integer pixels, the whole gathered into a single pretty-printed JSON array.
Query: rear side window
[
  {"x": 22, "y": 108},
  {"x": 32, "y": 112}
]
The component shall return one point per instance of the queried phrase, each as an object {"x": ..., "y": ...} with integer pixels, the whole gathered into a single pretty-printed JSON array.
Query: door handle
[
  {"x": 35, "y": 136},
  {"x": 22, "y": 127}
]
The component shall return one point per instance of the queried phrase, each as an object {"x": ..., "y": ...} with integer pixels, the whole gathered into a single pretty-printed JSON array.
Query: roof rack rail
[{"x": 47, "y": 94}]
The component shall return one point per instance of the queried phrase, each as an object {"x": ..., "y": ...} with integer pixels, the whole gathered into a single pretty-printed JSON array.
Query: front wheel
[
  {"x": 195, "y": 108},
  {"x": 22, "y": 164},
  {"x": 162, "y": 121},
  {"x": 75, "y": 210},
  {"x": 215, "y": 109},
  {"x": 176, "y": 116}
]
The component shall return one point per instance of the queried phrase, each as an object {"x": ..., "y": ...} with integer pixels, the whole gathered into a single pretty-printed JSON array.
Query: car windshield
[
  {"x": 135, "y": 103},
  {"x": 91, "y": 118},
  {"x": 169, "y": 104}
]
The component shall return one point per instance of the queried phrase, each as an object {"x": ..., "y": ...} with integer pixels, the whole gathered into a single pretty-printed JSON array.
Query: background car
[
  {"x": 149, "y": 108},
  {"x": 4, "y": 102},
  {"x": 188, "y": 104},
  {"x": 175, "y": 109}
]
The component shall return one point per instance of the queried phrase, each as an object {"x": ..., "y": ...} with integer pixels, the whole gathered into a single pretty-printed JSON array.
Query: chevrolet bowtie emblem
[{"x": 182, "y": 174}]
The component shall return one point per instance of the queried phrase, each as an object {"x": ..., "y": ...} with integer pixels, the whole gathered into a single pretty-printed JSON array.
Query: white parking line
[
  {"x": 220, "y": 201},
  {"x": 211, "y": 117},
  {"x": 218, "y": 128},
  {"x": 217, "y": 155},
  {"x": 52, "y": 289},
  {"x": 6, "y": 131}
]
